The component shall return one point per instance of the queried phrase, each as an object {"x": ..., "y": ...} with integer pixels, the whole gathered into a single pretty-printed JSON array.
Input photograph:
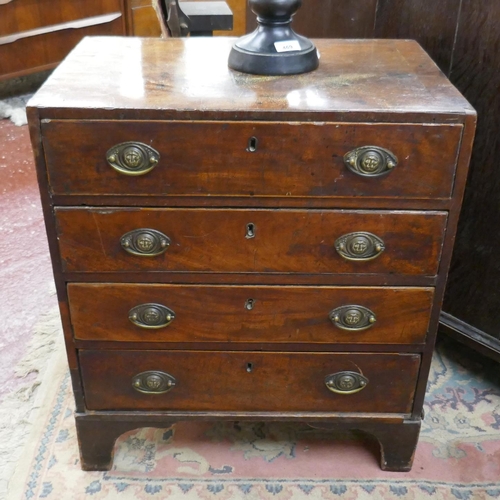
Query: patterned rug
[{"x": 458, "y": 456}]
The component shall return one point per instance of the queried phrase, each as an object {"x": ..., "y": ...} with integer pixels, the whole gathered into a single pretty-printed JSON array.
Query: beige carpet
[{"x": 19, "y": 411}]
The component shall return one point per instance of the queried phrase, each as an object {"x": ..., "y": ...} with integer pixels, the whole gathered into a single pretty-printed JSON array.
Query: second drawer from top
[{"x": 103, "y": 240}]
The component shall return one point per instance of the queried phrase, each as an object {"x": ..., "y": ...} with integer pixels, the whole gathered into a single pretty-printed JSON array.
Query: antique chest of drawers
[{"x": 228, "y": 246}]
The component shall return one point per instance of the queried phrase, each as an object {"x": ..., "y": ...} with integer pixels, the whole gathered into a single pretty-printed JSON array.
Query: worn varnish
[
  {"x": 238, "y": 314},
  {"x": 256, "y": 212},
  {"x": 288, "y": 159},
  {"x": 148, "y": 79},
  {"x": 249, "y": 381},
  {"x": 217, "y": 241}
]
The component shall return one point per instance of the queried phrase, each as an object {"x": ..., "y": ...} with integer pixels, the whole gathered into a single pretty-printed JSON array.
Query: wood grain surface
[
  {"x": 221, "y": 314},
  {"x": 400, "y": 84},
  {"x": 213, "y": 158},
  {"x": 213, "y": 380},
  {"x": 285, "y": 241},
  {"x": 330, "y": 19},
  {"x": 433, "y": 24},
  {"x": 19, "y": 16},
  {"x": 473, "y": 295},
  {"x": 46, "y": 30}
]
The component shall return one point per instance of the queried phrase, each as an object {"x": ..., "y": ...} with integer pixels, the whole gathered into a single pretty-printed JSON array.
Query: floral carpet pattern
[{"x": 458, "y": 456}]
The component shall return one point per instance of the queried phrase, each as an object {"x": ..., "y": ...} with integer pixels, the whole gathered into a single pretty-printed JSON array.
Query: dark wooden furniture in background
[
  {"x": 463, "y": 38},
  {"x": 142, "y": 19},
  {"x": 287, "y": 279},
  {"x": 36, "y": 35}
]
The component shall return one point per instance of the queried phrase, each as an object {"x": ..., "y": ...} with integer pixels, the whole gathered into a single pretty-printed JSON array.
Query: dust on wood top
[{"x": 118, "y": 77}]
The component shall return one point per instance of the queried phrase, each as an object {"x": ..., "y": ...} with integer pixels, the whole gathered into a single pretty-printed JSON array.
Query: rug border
[{"x": 44, "y": 401}]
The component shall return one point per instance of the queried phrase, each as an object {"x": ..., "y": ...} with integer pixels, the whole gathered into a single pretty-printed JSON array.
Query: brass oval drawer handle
[
  {"x": 153, "y": 382},
  {"x": 370, "y": 161},
  {"x": 145, "y": 242},
  {"x": 359, "y": 246},
  {"x": 151, "y": 316},
  {"x": 353, "y": 318},
  {"x": 133, "y": 158},
  {"x": 345, "y": 382}
]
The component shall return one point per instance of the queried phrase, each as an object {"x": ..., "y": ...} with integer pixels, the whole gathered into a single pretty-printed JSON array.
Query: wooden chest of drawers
[{"x": 228, "y": 246}]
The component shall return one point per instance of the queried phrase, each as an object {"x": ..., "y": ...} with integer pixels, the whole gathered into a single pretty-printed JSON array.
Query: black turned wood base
[{"x": 97, "y": 434}]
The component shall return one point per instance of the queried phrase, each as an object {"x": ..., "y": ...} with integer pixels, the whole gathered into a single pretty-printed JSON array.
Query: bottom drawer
[{"x": 248, "y": 381}]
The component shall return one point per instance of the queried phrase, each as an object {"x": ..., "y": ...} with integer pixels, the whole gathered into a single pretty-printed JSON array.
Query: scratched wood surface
[
  {"x": 401, "y": 84},
  {"x": 223, "y": 381},
  {"x": 216, "y": 241},
  {"x": 221, "y": 313},
  {"x": 288, "y": 160}
]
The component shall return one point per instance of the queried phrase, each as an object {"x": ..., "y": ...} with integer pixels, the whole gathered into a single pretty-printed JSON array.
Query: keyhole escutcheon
[
  {"x": 249, "y": 303},
  {"x": 250, "y": 231},
  {"x": 252, "y": 144}
]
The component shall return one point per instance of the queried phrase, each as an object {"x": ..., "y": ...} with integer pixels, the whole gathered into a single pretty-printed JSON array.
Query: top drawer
[{"x": 250, "y": 159}]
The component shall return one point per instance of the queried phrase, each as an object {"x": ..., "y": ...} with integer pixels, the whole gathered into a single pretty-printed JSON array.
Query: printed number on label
[{"x": 288, "y": 46}]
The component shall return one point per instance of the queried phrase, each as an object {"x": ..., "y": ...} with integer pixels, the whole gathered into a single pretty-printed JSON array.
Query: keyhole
[
  {"x": 249, "y": 304},
  {"x": 250, "y": 231},
  {"x": 252, "y": 144},
  {"x": 249, "y": 367}
]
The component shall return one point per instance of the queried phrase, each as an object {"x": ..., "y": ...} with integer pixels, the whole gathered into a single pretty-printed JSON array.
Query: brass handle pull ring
[
  {"x": 153, "y": 382},
  {"x": 353, "y": 318},
  {"x": 145, "y": 242},
  {"x": 370, "y": 161},
  {"x": 346, "y": 382},
  {"x": 359, "y": 246},
  {"x": 151, "y": 316},
  {"x": 132, "y": 158}
]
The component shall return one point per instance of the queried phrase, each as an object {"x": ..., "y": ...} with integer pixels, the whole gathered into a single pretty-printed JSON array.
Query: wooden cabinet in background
[
  {"x": 36, "y": 35},
  {"x": 142, "y": 19}
]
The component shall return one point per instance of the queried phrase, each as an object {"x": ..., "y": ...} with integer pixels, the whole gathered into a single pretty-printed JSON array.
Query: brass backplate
[
  {"x": 353, "y": 318},
  {"x": 151, "y": 316},
  {"x": 359, "y": 246},
  {"x": 370, "y": 161},
  {"x": 132, "y": 158},
  {"x": 346, "y": 382},
  {"x": 153, "y": 382},
  {"x": 145, "y": 242}
]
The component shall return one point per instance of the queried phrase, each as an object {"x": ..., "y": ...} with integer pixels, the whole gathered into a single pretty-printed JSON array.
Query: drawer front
[
  {"x": 250, "y": 159},
  {"x": 248, "y": 241},
  {"x": 194, "y": 313},
  {"x": 247, "y": 381}
]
